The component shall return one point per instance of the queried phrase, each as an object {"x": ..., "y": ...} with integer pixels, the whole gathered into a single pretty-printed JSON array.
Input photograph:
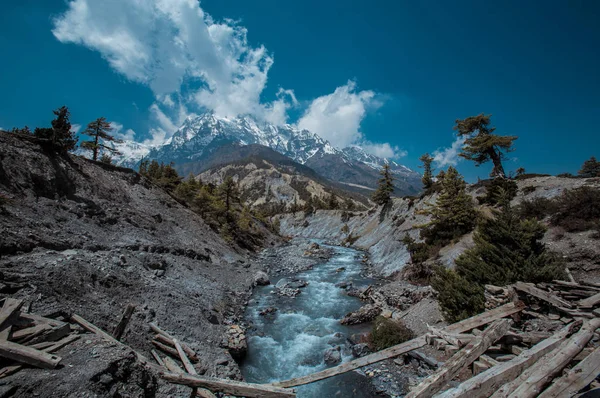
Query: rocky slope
[
  {"x": 380, "y": 231},
  {"x": 81, "y": 237},
  {"x": 198, "y": 138}
]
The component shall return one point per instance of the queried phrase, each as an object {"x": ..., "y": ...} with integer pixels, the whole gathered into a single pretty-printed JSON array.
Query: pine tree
[
  {"x": 590, "y": 168},
  {"x": 520, "y": 171},
  {"x": 332, "y": 202},
  {"x": 453, "y": 214},
  {"x": 385, "y": 188},
  {"x": 60, "y": 134},
  {"x": 106, "y": 158},
  {"x": 481, "y": 145},
  {"x": 229, "y": 194},
  {"x": 100, "y": 131},
  {"x": 427, "y": 170}
]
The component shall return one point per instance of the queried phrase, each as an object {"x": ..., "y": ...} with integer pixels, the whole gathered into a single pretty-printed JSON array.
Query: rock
[
  {"x": 236, "y": 341},
  {"x": 358, "y": 338},
  {"x": 333, "y": 355},
  {"x": 366, "y": 313},
  {"x": 344, "y": 285},
  {"x": 386, "y": 313},
  {"x": 261, "y": 279},
  {"x": 314, "y": 246},
  {"x": 288, "y": 292},
  {"x": 359, "y": 350},
  {"x": 298, "y": 284},
  {"x": 267, "y": 311},
  {"x": 340, "y": 269}
]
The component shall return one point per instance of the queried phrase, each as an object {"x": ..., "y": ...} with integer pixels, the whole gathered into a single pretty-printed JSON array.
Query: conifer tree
[
  {"x": 229, "y": 194},
  {"x": 481, "y": 144},
  {"x": 590, "y": 168},
  {"x": 427, "y": 170},
  {"x": 385, "y": 188},
  {"x": 100, "y": 131},
  {"x": 453, "y": 214},
  {"x": 332, "y": 202},
  {"x": 106, "y": 158},
  {"x": 60, "y": 134},
  {"x": 520, "y": 171}
]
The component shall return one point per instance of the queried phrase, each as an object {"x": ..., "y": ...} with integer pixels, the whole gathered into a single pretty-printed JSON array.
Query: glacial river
[{"x": 292, "y": 341}]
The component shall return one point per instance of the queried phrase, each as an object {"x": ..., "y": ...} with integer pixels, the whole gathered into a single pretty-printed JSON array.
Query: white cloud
[
  {"x": 449, "y": 156},
  {"x": 74, "y": 128},
  {"x": 119, "y": 133},
  {"x": 384, "y": 150}
]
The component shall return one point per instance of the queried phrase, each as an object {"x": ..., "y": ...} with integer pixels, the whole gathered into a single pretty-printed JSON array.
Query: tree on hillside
[
  {"x": 60, "y": 134},
  {"x": 427, "y": 170},
  {"x": 100, "y": 131},
  {"x": 454, "y": 212},
  {"x": 520, "y": 171},
  {"x": 590, "y": 168},
  {"x": 332, "y": 202},
  {"x": 383, "y": 193},
  {"x": 481, "y": 144},
  {"x": 229, "y": 194}
]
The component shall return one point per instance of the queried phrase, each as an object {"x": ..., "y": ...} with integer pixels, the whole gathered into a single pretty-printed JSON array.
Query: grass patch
[{"x": 387, "y": 333}]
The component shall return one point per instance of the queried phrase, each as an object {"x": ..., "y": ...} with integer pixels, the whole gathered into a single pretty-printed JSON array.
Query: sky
[{"x": 391, "y": 76}]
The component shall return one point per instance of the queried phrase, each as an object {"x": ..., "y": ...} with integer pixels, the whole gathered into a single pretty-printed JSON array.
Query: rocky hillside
[
  {"x": 380, "y": 231},
  {"x": 80, "y": 237},
  {"x": 267, "y": 179}
]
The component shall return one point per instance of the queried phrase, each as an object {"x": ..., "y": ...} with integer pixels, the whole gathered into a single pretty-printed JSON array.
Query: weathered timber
[
  {"x": 166, "y": 349},
  {"x": 484, "y": 384},
  {"x": 232, "y": 387},
  {"x": 460, "y": 360},
  {"x": 525, "y": 337},
  {"x": 204, "y": 393},
  {"x": 467, "y": 324},
  {"x": 488, "y": 360},
  {"x": 184, "y": 359},
  {"x": 531, "y": 382},
  {"x": 10, "y": 306},
  {"x": 28, "y": 355},
  {"x": 432, "y": 362},
  {"x": 575, "y": 313},
  {"x": 190, "y": 353},
  {"x": 90, "y": 327},
  {"x": 459, "y": 340},
  {"x": 172, "y": 366},
  {"x": 576, "y": 378},
  {"x": 542, "y": 295},
  {"x": 479, "y": 366},
  {"x": 40, "y": 319},
  {"x": 5, "y": 333},
  {"x": 120, "y": 328},
  {"x": 55, "y": 333},
  {"x": 569, "y": 275},
  {"x": 28, "y": 333},
  {"x": 157, "y": 357},
  {"x": 589, "y": 302}
]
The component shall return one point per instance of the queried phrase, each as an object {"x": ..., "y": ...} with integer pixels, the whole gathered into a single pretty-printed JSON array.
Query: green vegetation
[
  {"x": 60, "y": 136},
  {"x": 385, "y": 188},
  {"x": 520, "y": 171},
  {"x": 507, "y": 249},
  {"x": 427, "y": 178},
  {"x": 454, "y": 212},
  {"x": 498, "y": 187},
  {"x": 590, "y": 168},
  {"x": 100, "y": 131},
  {"x": 387, "y": 333},
  {"x": 481, "y": 144},
  {"x": 578, "y": 209}
]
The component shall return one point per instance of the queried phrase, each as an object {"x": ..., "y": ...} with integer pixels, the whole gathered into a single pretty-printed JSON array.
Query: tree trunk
[
  {"x": 96, "y": 147},
  {"x": 498, "y": 170}
]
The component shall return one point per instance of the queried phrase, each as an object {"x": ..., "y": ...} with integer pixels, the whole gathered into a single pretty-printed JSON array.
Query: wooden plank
[
  {"x": 90, "y": 327},
  {"x": 5, "y": 333},
  {"x": 10, "y": 306},
  {"x": 569, "y": 275},
  {"x": 231, "y": 387},
  {"x": 190, "y": 353},
  {"x": 184, "y": 359},
  {"x": 530, "y": 289},
  {"x": 157, "y": 357},
  {"x": 479, "y": 367},
  {"x": 40, "y": 319},
  {"x": 432, "y": 362},
  {"x": 531, "y": 382},
  {"x": 120, "y": 328},
  {"x": 484, "y": 384},
  {"x": 172, "y": 366},
  {"x": 28, "y": 355},
  {"x": 460, "y": 360},
  {"x": 488, "y": 360},
  {"x": 575, "y": 379},
  {"x": 459, "y": 327},
  {"x": 166, "y": 349},
  {"x": 589, "y": 302},
  {"x": 28, "y": 333},
  {"x": 459, "y": 340}
]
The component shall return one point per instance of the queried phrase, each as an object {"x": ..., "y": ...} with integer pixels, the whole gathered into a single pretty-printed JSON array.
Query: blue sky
[{"x": 389, "y": 75}]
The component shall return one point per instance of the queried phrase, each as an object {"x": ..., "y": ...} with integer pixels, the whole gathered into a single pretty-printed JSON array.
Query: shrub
[
  {"x": 528, "y": 189},
  {"x": 578, "y": 209},
  {"x": 387, "y": 333},
  {"x": 537, "y": 208},
  {"x": 345, "y": 229},
  {"x": 499, "y": 186},
  {"x": 458, "y": 298}
]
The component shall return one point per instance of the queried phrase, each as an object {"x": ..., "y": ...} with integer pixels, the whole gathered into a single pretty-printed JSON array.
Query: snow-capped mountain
[{"x": 200, "y": 136}]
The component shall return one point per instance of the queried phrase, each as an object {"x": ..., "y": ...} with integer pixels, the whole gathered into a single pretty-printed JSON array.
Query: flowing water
[{"x": 292, "y": 341}]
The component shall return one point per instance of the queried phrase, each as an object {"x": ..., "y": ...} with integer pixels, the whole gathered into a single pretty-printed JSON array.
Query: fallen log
[
  {"x": 10, "y": 306},
  {"x": 157, "y": 357},
  {"x": 531, "y": 382},
  {"x": 90, "y": 327},
  {"x": 28, "y": 333},
  {"x": 172, "y": 366},
  {"x": 459, "y": 340},
  {"x": 460, "y": 360},
  {"x": 576, "y": 378},
  {"x": 569, "y": 275},
  {"x": 166, "y": 349},
  {"x": 484, "y": 384},
  {"x": 190, "y": 353},
  {"x": 28, "y": 355},
  {"x": 197, "y": 391},
  {"x": 120, "y": 328},
  {"x": 5, "y": 333},
  {"x": 542, "y": 295},
  {"x": 589, "y": 302},
  {"x": 459, "y": 327},
  {"x": 231, "y": 387},
  {"x": 432, "y": 362}
]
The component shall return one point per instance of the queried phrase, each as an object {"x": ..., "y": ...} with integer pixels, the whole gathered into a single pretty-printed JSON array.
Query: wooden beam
[
  {"x": 184, "y": 359},
  {"x": 28, "y": 355},
  {"x": 190, "y": 353},
  {"x": 460, "y": 360},
  {"x": 90, "y": 327},
  {"x": 166, "y": 349},
  {"x": 589, "y": 302},
  {"x": 231, "y": 387},
  {"x": 532, "y": 381},
  {"x": 569, "y": 275},
  {"x": 530, "y": 289},
  {"x": 459, "y": 340},
  {"x": 10, "y": 306},
  {"x": 118, "y": 332},
  {"x": 157, "y": 357},
  {"x": 28, "y": 333},
  {"x": 467, "y": 324},
  {"x": 576, "y": 378},
  {"x": 5, "y": 333},
  {"x": 484, "y": 384},
  {"x": 172, "y": 366}
]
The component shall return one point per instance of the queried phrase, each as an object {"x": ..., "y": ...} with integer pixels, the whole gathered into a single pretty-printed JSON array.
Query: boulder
[
  {"x": 333, "y": 355},
  {"x": 267, "y": 311},
  {"x": 360, "y": 350},
  {"x": 366, "y": 313},
  {"x": 261, "y": 279},
  {"x": 236, "y": 341}
]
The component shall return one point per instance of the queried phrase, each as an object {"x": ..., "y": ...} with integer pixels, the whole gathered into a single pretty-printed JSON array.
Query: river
[{"x": 292, "y": 341}]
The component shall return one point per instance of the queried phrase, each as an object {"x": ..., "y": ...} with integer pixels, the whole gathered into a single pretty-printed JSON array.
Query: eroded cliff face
[
  {"x": 81, "y": 237},
  {"x": 380, "y": 230}
]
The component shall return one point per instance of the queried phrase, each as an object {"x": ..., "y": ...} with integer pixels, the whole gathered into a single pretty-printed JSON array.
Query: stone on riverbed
[
  {"x": 261, "y": 279},
  {"x": 366, "y": 313},
  {"x": 333, "y": 355},
  {"x": 236, "y": 341}
]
